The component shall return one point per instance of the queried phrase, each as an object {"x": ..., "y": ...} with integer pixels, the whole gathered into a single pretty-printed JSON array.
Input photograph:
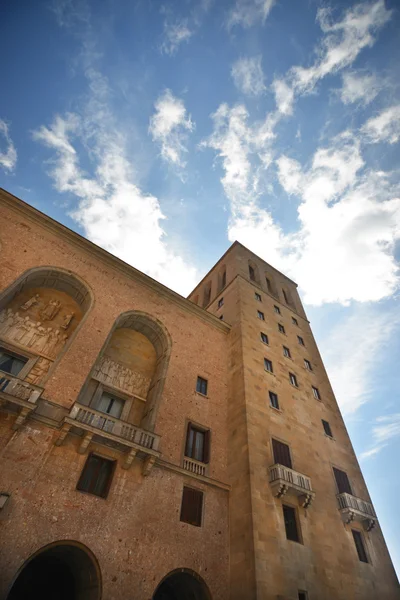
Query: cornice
[{"x": 73, "y": 238}]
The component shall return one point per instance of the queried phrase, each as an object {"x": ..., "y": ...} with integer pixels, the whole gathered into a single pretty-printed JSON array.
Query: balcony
[
  {"x": 19, "y": 394},
  {"x": 355, "y": 509},
  {"x": 101, "y": 427},
  {"x": 194, "y": 466},
  {"x": 286, "y": 481}
]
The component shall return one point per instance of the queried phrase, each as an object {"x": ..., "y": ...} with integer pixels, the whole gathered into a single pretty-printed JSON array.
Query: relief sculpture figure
[
  {"x": 67, "y": 320},
  {"x": 31, "y": 302},
  {"x": 50, "y": 310}
]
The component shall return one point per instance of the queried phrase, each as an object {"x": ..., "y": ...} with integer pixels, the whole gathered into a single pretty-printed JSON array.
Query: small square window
[
  {"x": 257, "y": 297},
  {"x": 260, "y": 315},
  {"x": 327, "y": 428},
  {"x": 292, "y": 531},
  {"x": 295, "y": 322},
  {"x": 316, "y": 393},
  {"x": 273, "y": 398},
  {"x": 307, "y": 365},
  {"x": 202, "y": 386},
  {"x": 281, "y": 328},
  {"x": 277, "y": 309},
  {"x": 268, "y": 365},
  {"x": 11, "y": 363},
  {"x": 359, "y": 542},
  {"x": 221, "y": 317},
  {"x": 303, "y": 595},
  {"x": 96, "y": 476},
  {"x": 192, "y": 506},
  {"x": 286, "y": 352},
  {"x": 220, "y": 302},
  {"x": 264, "y": 338},
  {"x": 293, "y": 379},
  {"x": 301, "y": 341}
]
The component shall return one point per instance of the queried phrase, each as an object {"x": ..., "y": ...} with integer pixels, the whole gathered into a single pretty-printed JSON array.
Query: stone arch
[
  {"x": 63, "y": 570},
  {"x": 222, "y": 278},
  {"x": 181, "y": 584},
  {"x": 131, "y": 369},
  {"x": 40, "y": 314},
  {"x": 254, "y": 274}
]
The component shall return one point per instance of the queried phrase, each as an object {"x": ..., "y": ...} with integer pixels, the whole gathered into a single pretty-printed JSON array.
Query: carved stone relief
[
  {"x": 117, "y": 375},
  {"x": 38, "y": 371}
]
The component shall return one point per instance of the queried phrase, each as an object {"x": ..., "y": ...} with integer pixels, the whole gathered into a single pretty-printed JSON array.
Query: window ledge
[
  {"x": 202, "y": 395},
  {"x": 279, "y": 410},
  {"x": 269, "y": 372}
]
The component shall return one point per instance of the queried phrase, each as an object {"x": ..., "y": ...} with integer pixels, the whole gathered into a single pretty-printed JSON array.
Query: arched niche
[
  {"x": 180, "y": 584},
  {"x": 207, "y": 294},
  {"x": 65, "y": 570},
  {"x": 127, "y": 379},
  {"x": 222, "y": 278},
  {"x": 253, "y": 272},
  {"x": 39, "y": 316}
]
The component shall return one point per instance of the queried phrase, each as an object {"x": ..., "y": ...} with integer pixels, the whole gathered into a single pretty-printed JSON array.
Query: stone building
[{"x": 157, "y": 447}]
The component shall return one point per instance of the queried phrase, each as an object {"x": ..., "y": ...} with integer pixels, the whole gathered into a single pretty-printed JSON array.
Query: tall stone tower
[{"x": 302, "y": 525}]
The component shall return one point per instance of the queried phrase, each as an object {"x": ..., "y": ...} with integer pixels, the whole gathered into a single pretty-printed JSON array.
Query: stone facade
[{"x": 89, "y": 327}]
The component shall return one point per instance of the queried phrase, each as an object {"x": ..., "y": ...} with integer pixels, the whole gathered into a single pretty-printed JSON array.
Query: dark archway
[
  {"x": 60, "y": 571},
  {"x": 182, "y": 584}
]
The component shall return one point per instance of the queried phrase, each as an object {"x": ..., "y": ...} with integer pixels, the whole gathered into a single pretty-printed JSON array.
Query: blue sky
[{"x": 163, "y": 131}]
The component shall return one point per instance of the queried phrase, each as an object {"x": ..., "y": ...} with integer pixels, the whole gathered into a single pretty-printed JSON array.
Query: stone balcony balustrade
[
  {"x": 20, "y": 394},
  {"x": 194, "y": 466},
  {"x": 100, "y": 426},
  {"x": 356, "y": 509},
  {"x": 287, "y": 481}
]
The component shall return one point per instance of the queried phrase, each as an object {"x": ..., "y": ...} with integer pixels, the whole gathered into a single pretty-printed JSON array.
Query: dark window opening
[
  {"x": 300, "y": 340},
  {"x": 277, "y": 310},
  {"x": 281, "y": 454},
  {"x": 303, "y": 595},
  {"x": 293, "y": 379},
  {"x": 268, "y": 365},
  {"x": 96, "y": 476},
  {"x": 257, "y": 297},
  {"x": 359, "y": 542},
  {"x": 307, "y": 365},
  {"x": 342, "y": 481},
  {"x": 11, "y": 363},
  {"x": 289, "y": 515},
  {"x": 285, "y": 296},
  {"x": 260, "y": 315},
  {"x": 281, "y": 328},
  {"x": 220, "y": 302},
  {"x": 327, "y": 428},
  {"x": 252, "y": 273},
  {"x": 192, "y": 506},
  {"x": 202, "y": 386},
  {"x": 197, "y": 443},
  {"x": 264, "y": 338},
  {"x": 273, "y": 398},
  {"x": 109, "y": 404},
  {"x": 286, "y": 352},
  {"x": 295, "y": 322},
  {"x": 316, "y": 393},
  {"x": 269, "y": 286}
]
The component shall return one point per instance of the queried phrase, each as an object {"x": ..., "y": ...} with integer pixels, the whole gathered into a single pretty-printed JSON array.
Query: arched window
[
  {"x": 287, "y": 297},
  {"x": 271, "y": 287},
  {"x": 222, "y": 278},
  {"x": 207, "y": 294},
  {"x": 128, "y": 377},
  {"x": 39, "y": 316},
  {"x": 253, "y": 272}
]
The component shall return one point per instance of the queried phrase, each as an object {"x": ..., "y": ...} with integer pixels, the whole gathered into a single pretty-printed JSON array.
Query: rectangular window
[
  {"x": 220, "y": 302},
  {"x": 327, "y": 428},
  {"x": 293, "y": 379},
  {"x": 300, "y": 340},
  {"x": 109, "y": 404},
  {"x": 96, "y": 476},
  {"x": 277, "y": 309},
  {"x": 359, "y": 542},
  {"x": 281, "y": 454},
  {"x": 268, "y": 365},
  {"x": 192, "y": 506},
  {"x": 303, "y": 595},
  {"x": 295, "y": 322},
  {"x": 264, "y": 338},
  {"x": 307, "y": 365},
  {"x": 202, "y": 386},
  {"x": 316, "y": 393},
  {"x": 286, "y": 352},
  {"x": 342, "y": 481},
  {"x": 197, "y": 443},
  {"x": 257, "y": 297},
  {"x": 289, "y": 515},
  {"x": 281, "y": 328},
  {"x": 260, "y": 315},
  {"x": 11, "y": 363},
  {"x": 273, "y": 399}
]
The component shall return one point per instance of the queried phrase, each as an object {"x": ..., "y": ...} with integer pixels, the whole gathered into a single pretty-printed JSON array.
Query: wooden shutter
[
  {"x": 206, "y": 451},
  {"x": 281, "y": 454},
  {"x": 96, "y": 476},
  {"x": 187, "y": 445},
  {"x": 358, "y": 540},
  {"x": 192, "y": 506},
  {"x": 342, "y": 481}
]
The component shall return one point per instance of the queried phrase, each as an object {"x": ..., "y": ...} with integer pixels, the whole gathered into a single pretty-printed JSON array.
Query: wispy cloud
[
  {"x": 175, "y": 34},
  {"x": 249, "y": 12},
  {"x": 248, "y": 76},
  {"x": 386, "y": 428},
  {"x": 169, "y": 127},
  {"x": 8, "y": 156},
  {"x": 385, "y": 127},
  {"x": 360, "y": 88}
]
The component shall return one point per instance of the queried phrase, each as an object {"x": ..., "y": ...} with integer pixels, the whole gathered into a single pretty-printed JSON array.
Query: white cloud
[
  {"x": 385, "y": 127},
  {"x": 351, "y": 357},
  {"x": 284, "y": 96},
  {"x": 169, "y": 127},
  {"x": 248, "y": 76},
  {"x": 113, "y": 211},
  {"x": 8, "y": 157},
  {"x": 249, "y": 12},
  {"x": 359, "y": 88},
  {"x": 386, "y": 428},
  {"x": 175, "y": 33}
]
